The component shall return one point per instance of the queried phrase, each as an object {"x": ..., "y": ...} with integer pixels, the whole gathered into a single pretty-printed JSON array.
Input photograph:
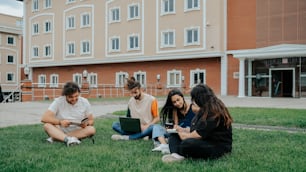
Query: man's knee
[
  {"x": 91, "y": 130},
  {"x": 47, "y": 126}
]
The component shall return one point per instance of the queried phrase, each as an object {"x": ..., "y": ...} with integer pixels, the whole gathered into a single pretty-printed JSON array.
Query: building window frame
[
  {"x": 47, "y": 50},
  {"x": 35, "y": 5},
  {"x": 114, "y": 16},
  {"x": 191, "y": 5},
  {"x": 70, "y": 49},
  {"x": 168, "y": 38},
  {"x": 35, "y": 52},
  {"x": 77, "y": 78},
  {"x": 70, "y": 22},
  {"x": 141, "y": 77},
  {"x": 10, "y": 59},
  {"x": 114, "y": 44},
  {"x": 48, "y": 26},
  {"x": 11, "y": 40},
  {"x": 174, "y": 78},
  {"x": 85, "y": 47},
  {"x": 121, "y": 79},
  {"x": 133, "y": 42},
  {"x": 35, "y": 29},
  {"x": 196, "y": 77},
  {"x": 42, "y": 80},
  {"x": 133, "y": 11},
  {"x": 167, "y": 7},
  {"x": 54, "y": 78},
  {"x": 85, "y": 20},
  {"x": 48, "y": 4},
  {"x": 192, "y": 36},
  {"x": 93, "y": 80},
  {"x": 10, "y": 77}
]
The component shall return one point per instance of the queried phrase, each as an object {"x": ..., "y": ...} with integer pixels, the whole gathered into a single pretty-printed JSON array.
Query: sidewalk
[{"x": 21, "y": 113}]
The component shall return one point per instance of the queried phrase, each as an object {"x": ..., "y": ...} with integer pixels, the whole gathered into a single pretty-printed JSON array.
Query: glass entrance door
[{"x": 282, "y": 82}]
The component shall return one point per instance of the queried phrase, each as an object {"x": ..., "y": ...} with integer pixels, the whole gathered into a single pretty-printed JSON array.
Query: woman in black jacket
[{"x": 210, "y": 134}]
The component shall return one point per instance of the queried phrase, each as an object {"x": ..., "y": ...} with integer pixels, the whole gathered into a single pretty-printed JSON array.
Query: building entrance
[{"x": 282, "y": 82}]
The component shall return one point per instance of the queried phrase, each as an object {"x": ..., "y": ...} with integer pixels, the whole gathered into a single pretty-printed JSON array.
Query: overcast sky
[{"x": 11, "y": 7}]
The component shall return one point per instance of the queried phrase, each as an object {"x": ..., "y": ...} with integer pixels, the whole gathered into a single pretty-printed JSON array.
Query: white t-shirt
[{"x": 73, "y": 113}]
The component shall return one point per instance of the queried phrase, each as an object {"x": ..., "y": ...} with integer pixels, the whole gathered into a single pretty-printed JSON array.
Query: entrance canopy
[
  {"x": 276, "y": 51},
  {"x": 271, "y": 52}
]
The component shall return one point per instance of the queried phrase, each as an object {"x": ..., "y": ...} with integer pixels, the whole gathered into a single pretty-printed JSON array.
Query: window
[
  {"x": 47, "y": 26},
  {"x": 92, "y": 79},
  {"x": 70, "y": 23},
  {"x": 115, "y": 44},
  {"x": 85, "y": 20},
  {"x": 168, "y": 39},
  {"x": 168, "y": 6},
  {"x": 120, "y": 78},
  {"x": 77, "y": 78},
  {"x": 133, "y": 42},
  {"x": 85, "y": 47},
  {"x": 133, "y": 11},
  {"x": 70, "y": 48},
  {"x": 10, "y": 40},
  {"x": 47, "y": 51},
  {"x": 141, "y": 78},
  {"x": 10, "y": 59},
  {"x": 54, "y": 81},
  {"x": 41, "y": 80},
  {"x": 10, "y": 77},
  {"x": 191, "y": 5},
  {"x": 174, "y": 78},
  {"x": 35, "y": 52},
  {"x": 47, "y": 3},
  {"x": 35, "y": 5},
  {"x": 197, "y": 77},
  {"x": 115, "y": 15},
  {"x": 35, "y": 29},
  {"x": 70, "y": 1},
  {"x": 192, "y": 36}
]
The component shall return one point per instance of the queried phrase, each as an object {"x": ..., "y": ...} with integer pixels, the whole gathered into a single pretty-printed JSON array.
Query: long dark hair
[
  {"x": 210, "y": 105},
  {"x": 167, "y": 110}
]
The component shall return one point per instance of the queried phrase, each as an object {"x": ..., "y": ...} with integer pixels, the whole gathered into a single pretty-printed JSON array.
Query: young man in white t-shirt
[{"x": 69, "y": 117}]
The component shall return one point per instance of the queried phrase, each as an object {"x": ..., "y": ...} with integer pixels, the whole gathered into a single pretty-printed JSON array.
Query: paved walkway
[{"x": 20, "y": 113}]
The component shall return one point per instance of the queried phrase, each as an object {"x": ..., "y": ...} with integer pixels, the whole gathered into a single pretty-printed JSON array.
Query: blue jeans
[
  {"x": 158, "y": 131},
  {"x": 132, "y": 136}
]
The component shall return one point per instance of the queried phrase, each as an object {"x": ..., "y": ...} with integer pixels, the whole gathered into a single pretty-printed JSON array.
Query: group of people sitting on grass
[{"x": 200, "y": 129}]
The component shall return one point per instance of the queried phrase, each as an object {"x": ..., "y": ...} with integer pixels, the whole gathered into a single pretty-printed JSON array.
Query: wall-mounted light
[
  {"x": 26, "y": 71},
  {"x": 158, "y": 77},
  {"x": 183, "y": 78},
  {"x": 85, "y": 73}
]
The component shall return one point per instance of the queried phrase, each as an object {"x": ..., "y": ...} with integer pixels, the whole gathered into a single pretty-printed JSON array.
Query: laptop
[{"x": 130, "y": 125}]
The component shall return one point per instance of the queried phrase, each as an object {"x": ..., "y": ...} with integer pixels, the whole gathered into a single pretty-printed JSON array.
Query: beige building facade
[
  {"x": 10, "y": 55},
  {"x": 169, "y": 43}
]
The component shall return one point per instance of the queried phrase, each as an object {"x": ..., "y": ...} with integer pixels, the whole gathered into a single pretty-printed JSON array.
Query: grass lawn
[{"x": 23, "y": 148}]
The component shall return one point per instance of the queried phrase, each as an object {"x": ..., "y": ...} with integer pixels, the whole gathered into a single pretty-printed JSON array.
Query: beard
[{"x": 138, "y": 96}]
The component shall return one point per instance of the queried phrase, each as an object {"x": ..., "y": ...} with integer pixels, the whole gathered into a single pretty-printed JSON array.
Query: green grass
[
  {"x": 270, "y": 116},
  {"x": 23, "y": 148},
  {"x": 263, "y": 116}
]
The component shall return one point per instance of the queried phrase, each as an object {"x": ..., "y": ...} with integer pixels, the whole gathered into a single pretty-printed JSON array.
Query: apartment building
[
  {"x": 10, "y": 56},
  {"x": 172, "y": 43},
  {"x": 238, "y": 47}
]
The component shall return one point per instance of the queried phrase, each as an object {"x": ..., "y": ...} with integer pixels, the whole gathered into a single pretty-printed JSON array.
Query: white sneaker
[
  {"x": 50, "y": 140},
  {"x": 165, "y": 150},
  {"x": 160, "y": 147},
  {"x": 73, "y": 141},
  {"x": 119, "y": 137},
  {"x": 174, "y": 157}
]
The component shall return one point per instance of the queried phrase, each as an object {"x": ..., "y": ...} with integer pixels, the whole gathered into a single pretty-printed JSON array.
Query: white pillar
[
  {"x": 241, "y": 92},
  {"x": 250, "y": 84},
  {"x": 224, "y": 75}
]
